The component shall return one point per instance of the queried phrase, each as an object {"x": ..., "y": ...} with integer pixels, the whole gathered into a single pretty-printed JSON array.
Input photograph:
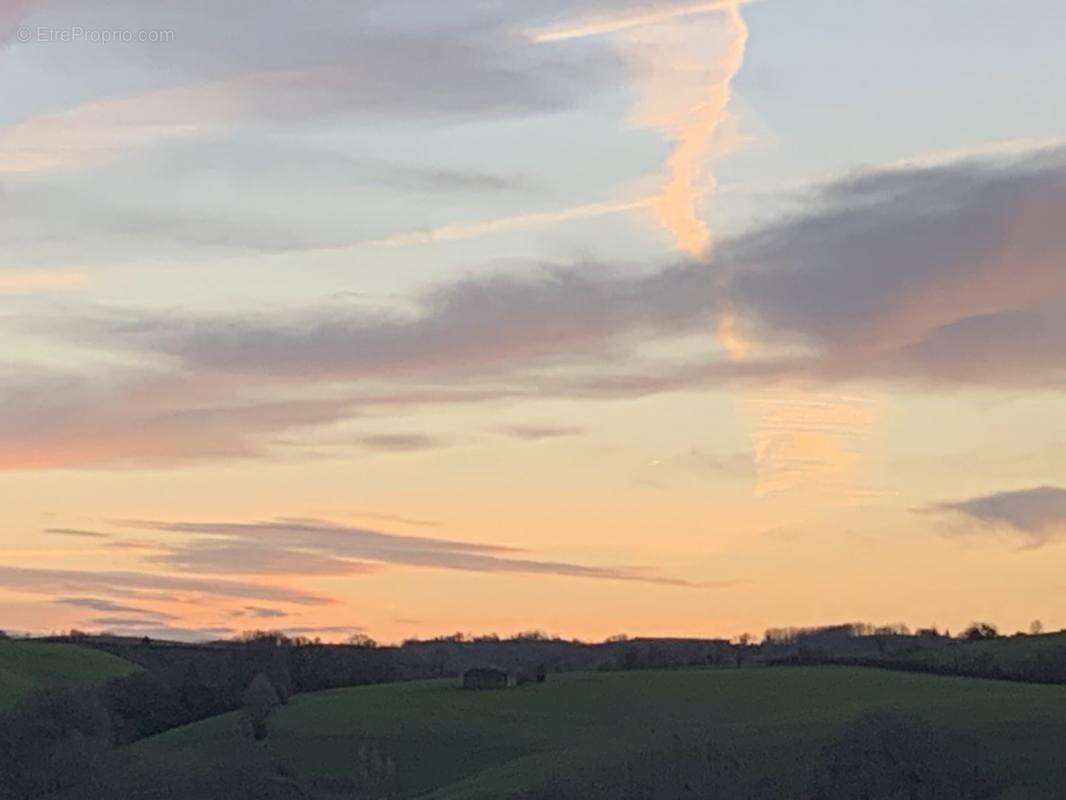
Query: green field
[
  {"x": 752, "y": 733},
  {"x": 27, "y": 667}
]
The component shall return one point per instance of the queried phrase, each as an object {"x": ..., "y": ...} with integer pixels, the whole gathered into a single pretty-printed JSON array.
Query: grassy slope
[
  {"x": 26, "y": 667},
  {"x": 747, "y": 733}
]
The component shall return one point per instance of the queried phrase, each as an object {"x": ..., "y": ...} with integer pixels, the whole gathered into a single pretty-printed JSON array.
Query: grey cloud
[
  {"x": 1039, "y": 514},
  {"x": 246, "y": 547},
  {"x": 226, "y": 558},
  {"x": 264, "y": 613},
  {"x": 538, "y": 432},
  {"x": 947, "y": 274},
  {"x": 75, "y": 532},
  {"x": 98, "y": 604},
  {"x": 474, "y": 324},
  {"x": 951, "y": 274},
  {"x": 401, "y": 442},
  {"x": 58, "y": 581},
  {"x": 313, "y": 534}
]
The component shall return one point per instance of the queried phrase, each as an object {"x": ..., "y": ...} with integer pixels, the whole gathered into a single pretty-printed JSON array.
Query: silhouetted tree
[
  {"x": 1036, "y": 627},
  {"x": 979, "y": 631},
  {"x": 259, "y": 699},
  {"x": 531, "y": 636},
  {"x": 361, "y": 640}
]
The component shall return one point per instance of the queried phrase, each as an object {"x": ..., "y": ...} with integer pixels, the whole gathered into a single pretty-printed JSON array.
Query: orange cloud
[{"x": 26, "y": 282}]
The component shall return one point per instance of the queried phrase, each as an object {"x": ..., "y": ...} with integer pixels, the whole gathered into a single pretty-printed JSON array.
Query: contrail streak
[
  {"x": 459, "y": 231},
  {"x": 679, "y": 202},
  {"x": 600, "y": 27},
  {"x": 803, "y": 439}
]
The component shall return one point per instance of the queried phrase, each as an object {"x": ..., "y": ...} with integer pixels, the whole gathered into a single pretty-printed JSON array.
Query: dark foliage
[{"x": 51, "y": 741}]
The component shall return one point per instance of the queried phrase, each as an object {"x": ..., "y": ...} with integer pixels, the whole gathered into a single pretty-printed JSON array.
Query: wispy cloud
[
  {"x": 539, "y": 432},
  {"x": 99, "y": 604},
  {"x": 295, "y": 546},
  {"x": 401, "y": 442},
  {"x": 810, "y": 440},
  {"x": 76, "y": 532},
  {"x": 948, "y": 275},
  {"x": 60, "y": 581},
  {"x": 262, "y": 613}
]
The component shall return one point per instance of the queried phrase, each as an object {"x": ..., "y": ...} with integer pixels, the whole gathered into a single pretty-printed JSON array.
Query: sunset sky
[{"x": 598, "y": 316}]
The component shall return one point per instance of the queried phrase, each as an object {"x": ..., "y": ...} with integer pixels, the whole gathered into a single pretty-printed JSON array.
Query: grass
[
  {"x": 752, "y": 733},
  {"x": 27, "y": 667}
]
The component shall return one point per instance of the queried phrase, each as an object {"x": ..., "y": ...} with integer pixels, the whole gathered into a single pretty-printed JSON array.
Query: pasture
[
  {"x": 810, "y": 732},
  {"x": 28, "y": 666}
]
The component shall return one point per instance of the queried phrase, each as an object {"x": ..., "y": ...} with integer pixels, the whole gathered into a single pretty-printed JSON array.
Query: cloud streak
[
  {"x": 59, "y": 581},
  {"x": 297, "y": 546},
  {"x": 98, "y": 604},
  {"x": 536, "y": 433}
]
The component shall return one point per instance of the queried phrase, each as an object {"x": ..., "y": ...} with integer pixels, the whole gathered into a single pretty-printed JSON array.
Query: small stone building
[{"x": 489, "y": 678}]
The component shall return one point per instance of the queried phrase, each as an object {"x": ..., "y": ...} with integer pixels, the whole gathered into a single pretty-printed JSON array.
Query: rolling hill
[
  {"x": 26, "y": 667},
  {"x": 1040, "y": 658},
  {"x": 806, "y": 732}
]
